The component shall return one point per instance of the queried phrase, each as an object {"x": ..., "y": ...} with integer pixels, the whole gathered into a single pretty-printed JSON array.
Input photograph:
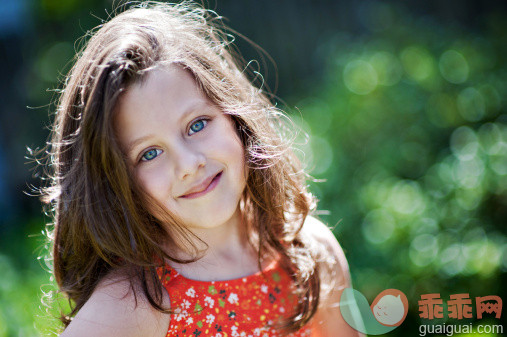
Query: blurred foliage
[
  {"x": 407, "y": 125},
  {"x": 24, "y": 283},
  {"x": 409, "y": 129}
]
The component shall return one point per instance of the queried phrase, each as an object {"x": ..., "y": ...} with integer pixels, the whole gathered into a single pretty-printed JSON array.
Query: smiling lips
[{"x": 203, "y": 188}]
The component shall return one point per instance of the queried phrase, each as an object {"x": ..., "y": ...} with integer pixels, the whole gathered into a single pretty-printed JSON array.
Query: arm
[
  {"x": 328, "y": 321},
  {"x": 112, "y": 311}
]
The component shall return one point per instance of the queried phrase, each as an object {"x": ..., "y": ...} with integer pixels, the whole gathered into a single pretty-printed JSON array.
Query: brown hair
[{"x": 100, "y": 221}]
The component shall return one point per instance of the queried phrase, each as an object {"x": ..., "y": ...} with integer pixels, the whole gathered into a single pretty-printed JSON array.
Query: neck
[
  {"x": 225, "y": 241},
  {"x": 226, "y": 252}
]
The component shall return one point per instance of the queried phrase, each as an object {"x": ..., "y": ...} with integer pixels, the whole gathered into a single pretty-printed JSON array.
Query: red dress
[{"x": 243, "y": 307}]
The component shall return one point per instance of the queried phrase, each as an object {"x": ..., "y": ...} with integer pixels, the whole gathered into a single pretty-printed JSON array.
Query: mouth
[{"x": 204, "y": 188}]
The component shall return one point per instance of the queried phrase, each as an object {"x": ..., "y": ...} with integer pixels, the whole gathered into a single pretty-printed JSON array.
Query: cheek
[
  {"x": 237, "y": 156},
  {"x": 239, "y": 150},
  {"x": 229, "y": 143},
  {"x": 157, "y": 185},
  {"x": 154, "y": 181},
  {"x": 241, "y": 160}
]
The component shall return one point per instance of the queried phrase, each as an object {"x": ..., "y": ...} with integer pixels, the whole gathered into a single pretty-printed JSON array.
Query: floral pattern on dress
[{"x": 243, "y": 307}]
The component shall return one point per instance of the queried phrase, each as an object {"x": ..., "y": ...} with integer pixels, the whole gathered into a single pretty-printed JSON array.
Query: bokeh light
[
  {"x": 453, "y": 67},
  {"x": 471, "y": 104},
  {"x": 360, "y": 77},
  {"x": 387, "y": 67},
  {"x": 418, "y": 62}
]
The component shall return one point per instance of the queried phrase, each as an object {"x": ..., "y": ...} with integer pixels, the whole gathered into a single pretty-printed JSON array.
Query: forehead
[
  {"x": 162, "y": 98},
  {"x": 168, "y": 83}
]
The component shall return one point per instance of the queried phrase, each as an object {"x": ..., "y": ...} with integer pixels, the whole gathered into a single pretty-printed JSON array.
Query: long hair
[{"x": 101, "y": 222}]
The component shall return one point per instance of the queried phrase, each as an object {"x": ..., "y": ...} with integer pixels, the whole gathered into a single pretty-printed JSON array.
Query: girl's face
[{"x": 183, "y": 149}]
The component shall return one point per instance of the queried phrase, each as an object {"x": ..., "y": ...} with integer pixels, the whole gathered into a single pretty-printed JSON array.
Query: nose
[{"x": 188, "y": 161}]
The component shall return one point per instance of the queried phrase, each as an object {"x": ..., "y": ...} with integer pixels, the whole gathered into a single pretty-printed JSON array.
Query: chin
[{"x": 217, "y": 217}]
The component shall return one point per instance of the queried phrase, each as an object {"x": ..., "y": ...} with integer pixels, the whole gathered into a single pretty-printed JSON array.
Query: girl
[{"x": 179, "y": 209}]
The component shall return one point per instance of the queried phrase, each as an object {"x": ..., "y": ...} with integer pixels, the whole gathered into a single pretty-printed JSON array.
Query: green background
[{"x": 404, "y": 104}]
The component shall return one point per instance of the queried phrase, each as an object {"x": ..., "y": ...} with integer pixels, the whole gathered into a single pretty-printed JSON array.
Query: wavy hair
[{"x": 101, "y": 222}]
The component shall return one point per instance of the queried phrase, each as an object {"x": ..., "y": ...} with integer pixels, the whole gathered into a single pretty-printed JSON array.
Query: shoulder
[
  {"x": 334, "y": 272},
  {"x": 114, "y": 310},
  {"x": 333, "y": 256},
  {"x": 318, "y": 231}
]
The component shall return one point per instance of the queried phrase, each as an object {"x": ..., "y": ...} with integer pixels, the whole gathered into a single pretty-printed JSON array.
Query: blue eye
[
  {"x": 151, "y": 154},
  {"x": 197, "y": 126}
]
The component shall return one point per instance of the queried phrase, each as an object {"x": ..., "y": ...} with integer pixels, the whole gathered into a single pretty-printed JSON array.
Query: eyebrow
[
  {"x": 132, "y": 146},
  {"x": 201, "y": 105}
]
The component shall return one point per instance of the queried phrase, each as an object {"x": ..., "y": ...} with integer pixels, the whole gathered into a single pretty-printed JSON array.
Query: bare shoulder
[
  {"x": 114, "y": 310},
  {"x": 319, "y": 231},
  {"x": 334, "y": 272},
  {"x": 322, "y": 235}
]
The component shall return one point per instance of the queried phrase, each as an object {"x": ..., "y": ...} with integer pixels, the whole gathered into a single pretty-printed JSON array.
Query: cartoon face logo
[{"x": 389, "y": 310}]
